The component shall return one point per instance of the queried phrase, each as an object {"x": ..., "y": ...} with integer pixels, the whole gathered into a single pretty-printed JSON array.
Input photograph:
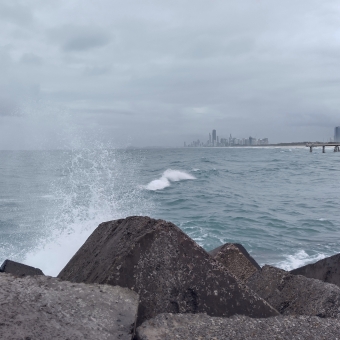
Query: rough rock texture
[
  {"x": 296, "y": 294},
  {"x": 169, "y": 271},
  {"x": 236, "y": 259},
  {"x": 327, "y": 270},
  {"x": 19, "y": 269},
  {"x": 41, "y": 307},
  {"x": 203, "y": 327}
]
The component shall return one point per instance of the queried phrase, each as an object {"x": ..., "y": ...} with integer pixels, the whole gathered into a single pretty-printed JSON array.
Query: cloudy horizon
[{"x": 162, "y": 73}]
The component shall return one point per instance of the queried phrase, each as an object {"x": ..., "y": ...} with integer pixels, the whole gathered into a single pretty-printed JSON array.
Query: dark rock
[
  {"x": 169, "y": 270},
  {"x": 19, "y": 269},
  {"x": 42, "y": 307},
  {"x": 296, "y": 294},
  {"x": 236, "y": 259},
  {"x": 201, "y": 326},
  {"x": 327, "y": 270}
]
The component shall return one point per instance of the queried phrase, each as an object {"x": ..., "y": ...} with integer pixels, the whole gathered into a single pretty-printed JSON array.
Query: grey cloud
[
  {"x": 105, "y": 112},
  {"x": 79, "y": 38},
  {"x": 97, "y": 71},
  {"x": 176, "y": 69},
  {"x": 15, "y": 12},
  {"x": 31, "y": 59},
  {"x": 8, "y": 107}
]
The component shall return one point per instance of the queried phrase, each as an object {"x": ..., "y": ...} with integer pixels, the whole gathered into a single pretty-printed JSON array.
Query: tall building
[
  {"x": 252, "y": 141},
  {"x": 214, "y": 137},
  {"x": 337, "y": 134}
]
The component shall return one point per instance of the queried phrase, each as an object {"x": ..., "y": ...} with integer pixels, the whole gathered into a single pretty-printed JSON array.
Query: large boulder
[
  {"x": 169, "y": 271},
  {"x": 42, "y": 307},
  {"x": 296, "y": 294},
  {"x": 201, "y": 326},
  {"x": 327, "y": 270},
  {"x": 236, "y": 259},
  {"x": 19, "y": 269}
]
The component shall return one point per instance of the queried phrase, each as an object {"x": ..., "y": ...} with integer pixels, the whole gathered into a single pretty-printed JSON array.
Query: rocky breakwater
[
  {"x": 309, "y": 308},
  {"x": 237, "y": 260},
  {"x": 295, "y": 294},
  {"x": 169, "y": 271},
  {"x": 327, "y": 270},
  {"x": 41, "y": 307},
  {"x": 146, "y": 272}
]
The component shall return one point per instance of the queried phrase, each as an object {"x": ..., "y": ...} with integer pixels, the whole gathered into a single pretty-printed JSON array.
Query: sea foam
[
  {"x": 167, "y": 177},
  {"x": 299, "y": 259}
]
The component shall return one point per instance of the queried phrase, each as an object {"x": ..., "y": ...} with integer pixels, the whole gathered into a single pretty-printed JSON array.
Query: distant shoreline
[{"x": 293, "y": 144}]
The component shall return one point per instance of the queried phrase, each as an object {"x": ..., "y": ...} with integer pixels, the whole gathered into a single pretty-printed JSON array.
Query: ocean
[{"x": 281, "y": 204}]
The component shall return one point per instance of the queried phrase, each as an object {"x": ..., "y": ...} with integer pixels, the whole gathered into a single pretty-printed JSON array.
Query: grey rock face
[
  {"x": 236, "y": 259},
  {"x": 41, "y": 307},
  {"x": 19, "y": 269},
  {"x": 327, "y": 270},
  {"x": 296, "y": 294},
  {"x": 169, "y": 271},
  {"x": 202, "y": 327}
]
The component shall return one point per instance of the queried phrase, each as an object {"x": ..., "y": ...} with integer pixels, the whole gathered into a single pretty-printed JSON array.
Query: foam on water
[
  {"x": 299, "y": 259},
  {"x": 167, "y": 177}
]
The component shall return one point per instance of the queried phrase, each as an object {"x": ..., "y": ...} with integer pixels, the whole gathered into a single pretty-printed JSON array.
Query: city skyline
[{"x": 215, "y": 141}]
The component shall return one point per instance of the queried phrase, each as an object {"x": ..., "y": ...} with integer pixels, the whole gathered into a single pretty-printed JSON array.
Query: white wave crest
[
  {"x": 299, "y": 259},
  {"x": 167, "y": 177}
]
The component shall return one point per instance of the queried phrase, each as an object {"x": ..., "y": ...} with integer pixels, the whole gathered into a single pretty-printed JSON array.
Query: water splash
[{"x": 94, "y": 186}]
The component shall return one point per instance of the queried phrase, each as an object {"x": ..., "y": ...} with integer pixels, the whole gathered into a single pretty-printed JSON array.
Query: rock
[
  {"x": 169, "y": 271},
  {"x": 296, "y": 294},
  {"x": 201, "y": 327},
  {"x": 19, "y": 269},
  {"x": 42, "y": 307},
  {"x": 236, "y": 259},
  {"x": 327, "y": 270}
]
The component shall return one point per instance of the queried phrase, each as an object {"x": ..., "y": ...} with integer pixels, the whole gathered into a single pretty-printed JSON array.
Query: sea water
[{"x": 281, "y": 204}]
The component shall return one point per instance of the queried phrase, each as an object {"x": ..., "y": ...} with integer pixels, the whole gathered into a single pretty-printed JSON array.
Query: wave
[
  {"x": 167, "y": 177},
  {"x": 299, "y": 259}
]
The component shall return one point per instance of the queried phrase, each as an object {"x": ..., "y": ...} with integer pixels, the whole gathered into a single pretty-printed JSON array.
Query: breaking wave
[{"x": 166, "y": 179}]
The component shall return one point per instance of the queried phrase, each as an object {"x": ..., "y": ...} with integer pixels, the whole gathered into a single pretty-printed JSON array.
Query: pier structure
[{"x": 323, "y": 145}]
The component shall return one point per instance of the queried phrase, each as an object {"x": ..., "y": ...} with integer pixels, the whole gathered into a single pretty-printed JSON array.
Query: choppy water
[{"x": 280, "y": 203}]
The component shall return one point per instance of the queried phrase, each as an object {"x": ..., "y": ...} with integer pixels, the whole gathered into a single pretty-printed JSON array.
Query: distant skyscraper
[
  {"x": 214, "y": 136},
  {"x": 209, "y": 138},
  {"x": 337, "y": 134}
]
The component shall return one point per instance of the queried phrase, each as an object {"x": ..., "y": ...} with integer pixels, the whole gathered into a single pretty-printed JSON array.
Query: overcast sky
[{"x": 149, "y": 72}]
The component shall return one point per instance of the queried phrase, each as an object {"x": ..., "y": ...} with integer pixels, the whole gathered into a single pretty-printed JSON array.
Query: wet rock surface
[
  {"x": 201, "y": 326},
  {"x": 236, "y": 259},
  {"x": 169, "y": 270},
  {"x": 295, "y": 294},
  {"x": 19, "y": 269},
  {"x": 41, "y": 307},
  {"x": 326, "y": 270}
]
